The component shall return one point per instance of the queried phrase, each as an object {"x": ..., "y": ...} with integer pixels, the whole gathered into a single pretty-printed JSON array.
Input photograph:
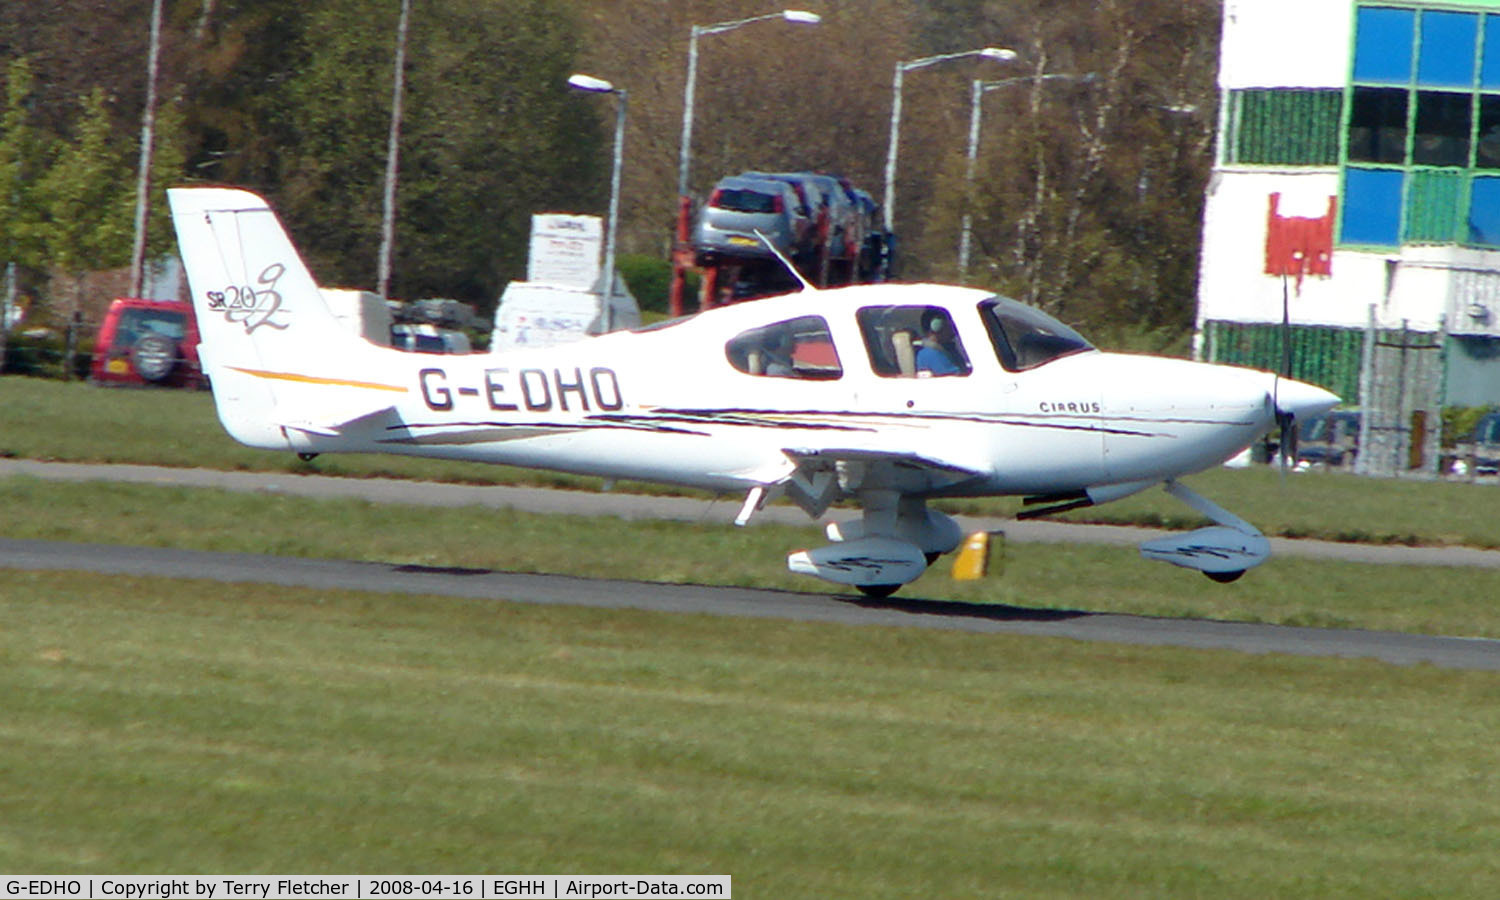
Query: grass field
[
  {"x": 167, "y": 726},
  {"x": 155, "y": 727}
]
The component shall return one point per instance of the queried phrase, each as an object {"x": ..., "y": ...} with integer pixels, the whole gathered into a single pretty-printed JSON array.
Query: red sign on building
[{"x": 1299, "y": 245}]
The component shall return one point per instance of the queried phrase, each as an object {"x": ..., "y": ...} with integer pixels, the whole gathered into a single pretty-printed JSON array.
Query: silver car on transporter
[{"x": 738, "y": 208}]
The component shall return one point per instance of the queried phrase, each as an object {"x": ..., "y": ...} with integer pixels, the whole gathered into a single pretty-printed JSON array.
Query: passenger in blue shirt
[{"x": 934, "y": 358}]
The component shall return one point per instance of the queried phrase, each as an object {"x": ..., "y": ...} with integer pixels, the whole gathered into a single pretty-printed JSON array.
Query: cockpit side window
[
  {"x": 1024, "y": 337},
  {"x": 912, "y": 342},
  {"x": 795, "y": 348}
]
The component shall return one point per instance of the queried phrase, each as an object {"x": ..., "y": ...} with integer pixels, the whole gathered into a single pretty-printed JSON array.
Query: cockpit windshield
[{"x": 1025, "y": 337}]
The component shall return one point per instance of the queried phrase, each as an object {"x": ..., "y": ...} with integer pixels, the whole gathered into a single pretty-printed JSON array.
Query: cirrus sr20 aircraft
[{"x": 885, "y": 395}]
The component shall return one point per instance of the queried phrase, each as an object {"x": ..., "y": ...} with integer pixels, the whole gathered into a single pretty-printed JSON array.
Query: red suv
[{"x": 148, "y": 342}]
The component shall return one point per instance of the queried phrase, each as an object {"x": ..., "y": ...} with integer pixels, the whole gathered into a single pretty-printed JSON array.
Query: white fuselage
[{"x": 666, "y": 405}]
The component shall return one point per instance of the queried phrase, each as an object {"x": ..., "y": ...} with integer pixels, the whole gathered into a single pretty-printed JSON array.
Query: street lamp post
[
  {"x": 600, "y": 86},
  {"x": 392, "y": 157},
  {"x": 148, "y": 140},
  {"x": 901, "y": 69},
  {"x": 977, "y": 91},
  {"x": 685, "y": 152}
]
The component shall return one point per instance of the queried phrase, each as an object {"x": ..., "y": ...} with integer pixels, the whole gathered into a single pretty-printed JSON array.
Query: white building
[{"x": 1358, "y": 175}]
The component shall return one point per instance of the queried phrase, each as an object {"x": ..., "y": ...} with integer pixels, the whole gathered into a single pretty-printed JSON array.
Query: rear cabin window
[
  {"x": 746, "y": 201},
  {"x": 135, "y": 323},
  {"x": 912, "y": 342},
  {"x": 1025, "y": 338},
  {"x": 796, "y": 348}
]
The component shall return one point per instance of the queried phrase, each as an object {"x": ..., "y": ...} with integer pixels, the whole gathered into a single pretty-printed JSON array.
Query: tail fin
[{"x": 263, "y": 323}]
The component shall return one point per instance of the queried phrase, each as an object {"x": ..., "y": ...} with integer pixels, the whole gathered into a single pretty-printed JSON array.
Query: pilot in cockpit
[{"x": 935, "y": 357}]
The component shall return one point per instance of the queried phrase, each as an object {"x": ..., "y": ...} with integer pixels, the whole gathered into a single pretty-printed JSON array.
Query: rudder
[{"x": 258, "y": 308}]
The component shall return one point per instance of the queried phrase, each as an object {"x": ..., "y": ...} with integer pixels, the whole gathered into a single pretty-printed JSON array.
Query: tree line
[{"x": 1086, "y": 196}]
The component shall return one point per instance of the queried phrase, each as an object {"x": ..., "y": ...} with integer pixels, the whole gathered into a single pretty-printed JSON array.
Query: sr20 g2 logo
[{"x": 248, "y": 305}]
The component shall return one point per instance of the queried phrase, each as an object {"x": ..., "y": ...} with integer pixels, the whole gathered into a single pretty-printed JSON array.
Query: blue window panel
[
  {"x": 1447, "y": 55},
  {"x": 1487, "y": 150},
  {"x": 1372, "y": 206},
  {"x": 1484, "y": 211},
  {"x": 1444, "y": 121},
  {"x": 1382, "y": 44},
  {"x": 1377, "y": 124},
  {"x": 1489, "y": 69}
]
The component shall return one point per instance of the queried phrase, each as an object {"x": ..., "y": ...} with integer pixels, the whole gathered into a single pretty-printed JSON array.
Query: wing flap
[{"x": 948, "y": 469}]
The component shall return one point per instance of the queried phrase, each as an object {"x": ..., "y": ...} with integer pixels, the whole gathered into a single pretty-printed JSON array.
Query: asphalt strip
[
  {"x": 323, "y": 574},
  {"x": 1391, "y": 647}
]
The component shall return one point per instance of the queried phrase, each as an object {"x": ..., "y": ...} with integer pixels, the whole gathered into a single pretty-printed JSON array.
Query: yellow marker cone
[{"x": 973, "y": 561}]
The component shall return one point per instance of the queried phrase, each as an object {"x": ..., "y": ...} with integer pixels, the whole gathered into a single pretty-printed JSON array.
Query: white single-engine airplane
[{"x": 887, "y": 395}]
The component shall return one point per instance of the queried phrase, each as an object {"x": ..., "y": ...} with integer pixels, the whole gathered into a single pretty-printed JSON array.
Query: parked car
[
  {"x": 1331, "y": 439},
  {"x": 148, "y": 342},
  {"x": 736, "y": 210},
  {"x": 417, "y": 338},
  {"x": 833, "y": 200},
  {"x": 804, "y": 221},
  {"x": 872, "y": 249},
  {"x": 1480, "y": 453}
]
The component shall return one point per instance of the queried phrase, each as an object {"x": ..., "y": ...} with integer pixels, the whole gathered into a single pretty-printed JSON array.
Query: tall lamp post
[
  {"x": 901, "y": 69},
  {"x": 681, "y": 257},
  {"x": 392, "y": 158},
  {"x": 600, "y": 86},
  {"x": 685, "y": 152},
  {"x": 976, "y": 94},
  {"x": 148, "y": 140}
]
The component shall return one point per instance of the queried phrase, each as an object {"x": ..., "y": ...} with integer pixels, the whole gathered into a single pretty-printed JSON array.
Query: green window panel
[
  {"x": 1287, "y": 127},
  {"x": 1435, "y": 206},
  {"x": 1327, "y": 357}
]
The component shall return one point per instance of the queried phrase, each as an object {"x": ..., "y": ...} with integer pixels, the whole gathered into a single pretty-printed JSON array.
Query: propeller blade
[{"x": 1285, "y": 419}]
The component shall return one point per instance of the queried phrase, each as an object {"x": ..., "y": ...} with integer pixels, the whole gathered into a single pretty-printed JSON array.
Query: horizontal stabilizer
[{"x": 325, "y": 420}]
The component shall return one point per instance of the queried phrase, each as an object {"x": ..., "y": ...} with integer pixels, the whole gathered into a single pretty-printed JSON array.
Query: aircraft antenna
[{"x": 775, "y": 251}]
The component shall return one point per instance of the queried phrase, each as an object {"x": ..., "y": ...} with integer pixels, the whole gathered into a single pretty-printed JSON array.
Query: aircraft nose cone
[{"x": 1300, "y": 399}]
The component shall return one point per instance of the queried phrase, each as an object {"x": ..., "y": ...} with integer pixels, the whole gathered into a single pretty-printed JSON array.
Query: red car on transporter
[{"x": 148, "y": 342}]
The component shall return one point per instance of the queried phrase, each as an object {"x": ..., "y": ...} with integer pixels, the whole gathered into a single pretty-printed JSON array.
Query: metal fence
[
  {"x": 1401, "y": 396},
  {"x": 1394, "y": 376}
]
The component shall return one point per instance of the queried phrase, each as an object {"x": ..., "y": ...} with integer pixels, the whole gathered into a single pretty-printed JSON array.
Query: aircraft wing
[
  {"x": 948, "y": 471},
  {"x": 814, "y": 478}
]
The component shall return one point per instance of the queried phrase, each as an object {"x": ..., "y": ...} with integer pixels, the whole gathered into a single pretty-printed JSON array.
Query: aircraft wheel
[
  {"x": 878, "y": 591},
  {"x": 1225, "y": 577}
]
